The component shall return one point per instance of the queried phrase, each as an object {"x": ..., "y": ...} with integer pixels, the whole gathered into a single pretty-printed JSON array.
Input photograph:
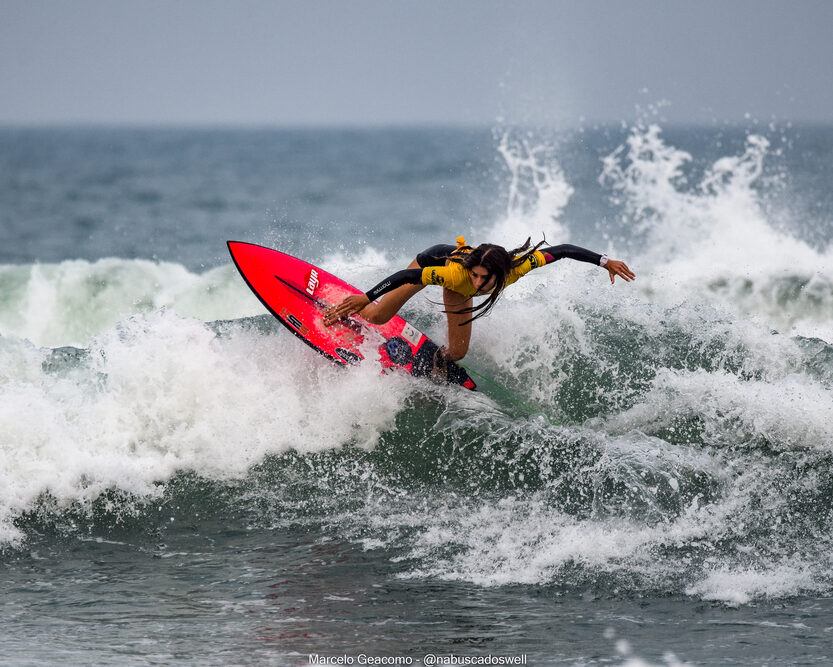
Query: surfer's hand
[
  {"x": 351, "y": 304},
  {"x": 617, "y": 268}
]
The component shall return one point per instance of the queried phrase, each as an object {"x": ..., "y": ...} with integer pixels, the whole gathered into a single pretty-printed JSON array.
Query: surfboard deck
[{"x": 297, "y": 293}]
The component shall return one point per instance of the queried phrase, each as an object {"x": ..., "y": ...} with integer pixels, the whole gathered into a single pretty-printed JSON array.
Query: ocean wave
[
  {"x": 690, "y": 444},
  {"x": 70, "y": 302},
  {"x": 666, "y": 436},
  {"x": 714, "y": 240},
  {"x": 159, "y": 394}
]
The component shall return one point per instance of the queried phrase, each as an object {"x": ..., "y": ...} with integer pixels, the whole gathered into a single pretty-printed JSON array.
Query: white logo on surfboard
[
  {"x": 410, "y": 334},
  {"x": 312, "y": 282}
]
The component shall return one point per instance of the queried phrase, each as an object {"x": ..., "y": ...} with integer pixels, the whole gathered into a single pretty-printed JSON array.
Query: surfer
[{"x": 464, "y": 272}]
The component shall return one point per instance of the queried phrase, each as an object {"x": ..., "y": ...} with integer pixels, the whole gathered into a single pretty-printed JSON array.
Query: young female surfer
[{"x": 464, "y": 272}]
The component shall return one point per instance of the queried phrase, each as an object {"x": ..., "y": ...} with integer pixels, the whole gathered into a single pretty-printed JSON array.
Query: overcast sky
[{"x": 394, "y": 62}]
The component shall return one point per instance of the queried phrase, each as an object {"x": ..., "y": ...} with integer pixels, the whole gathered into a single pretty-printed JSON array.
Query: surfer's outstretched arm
[{"x": 613, "y": 266}]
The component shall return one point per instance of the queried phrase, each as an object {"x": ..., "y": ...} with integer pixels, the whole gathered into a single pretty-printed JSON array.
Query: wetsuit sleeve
[
  {"x": 404, "y": 277},
  {"x": 556, "y": 252}
]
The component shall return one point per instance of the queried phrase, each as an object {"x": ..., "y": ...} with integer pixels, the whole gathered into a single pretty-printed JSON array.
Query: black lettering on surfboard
[{"x": 295, "y": 322}]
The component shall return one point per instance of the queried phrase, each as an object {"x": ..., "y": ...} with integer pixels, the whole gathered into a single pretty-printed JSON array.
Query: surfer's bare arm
[
  {"x": 614, "y": 266},
  {"x": 356, "y": 302}
]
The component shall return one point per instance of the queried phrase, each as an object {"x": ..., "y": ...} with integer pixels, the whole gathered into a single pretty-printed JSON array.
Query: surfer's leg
[
  {"x": 390, "y": 303},
  {"x": 459, "y": 334}
]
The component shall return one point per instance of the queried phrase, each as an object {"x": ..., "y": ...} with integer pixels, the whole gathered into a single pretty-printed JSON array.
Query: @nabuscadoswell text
[{"x": 427, "y": 659}]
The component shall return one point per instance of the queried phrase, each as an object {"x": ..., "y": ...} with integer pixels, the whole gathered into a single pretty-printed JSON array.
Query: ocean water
[{"x": 183, "y": 481}]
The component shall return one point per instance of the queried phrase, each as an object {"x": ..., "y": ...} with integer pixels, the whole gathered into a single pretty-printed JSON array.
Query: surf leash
[{"x": 508, "y": 393}]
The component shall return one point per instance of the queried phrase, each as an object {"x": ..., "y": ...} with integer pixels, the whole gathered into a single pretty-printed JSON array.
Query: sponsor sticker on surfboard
[{"x": 410, "y": 334}]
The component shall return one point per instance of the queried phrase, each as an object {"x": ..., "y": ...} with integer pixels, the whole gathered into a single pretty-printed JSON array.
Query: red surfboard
[{"x": 297, "y": 294}]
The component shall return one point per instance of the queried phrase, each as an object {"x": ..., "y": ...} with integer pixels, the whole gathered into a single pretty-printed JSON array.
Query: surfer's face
[{"x": 482, "y": 280}]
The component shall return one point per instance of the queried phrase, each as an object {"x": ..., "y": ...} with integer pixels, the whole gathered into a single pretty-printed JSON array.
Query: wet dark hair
[{"x": 498, "y": 261}]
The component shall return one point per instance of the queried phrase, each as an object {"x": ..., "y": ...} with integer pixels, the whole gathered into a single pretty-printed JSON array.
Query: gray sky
[{"x": 369, "y": 61}]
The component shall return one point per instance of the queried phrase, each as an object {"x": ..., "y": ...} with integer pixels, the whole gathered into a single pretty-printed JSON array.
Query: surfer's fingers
[
  {"x": 347, "y": 307},
  {"x": 334, "y": 313},
  {"x": 341, "y": 308},
  {"x": 617, "y": 268},
  {"x": 626, "y": 271}
]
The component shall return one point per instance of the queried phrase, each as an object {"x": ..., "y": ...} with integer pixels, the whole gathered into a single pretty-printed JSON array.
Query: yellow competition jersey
[{"x": 457, "y": 278}]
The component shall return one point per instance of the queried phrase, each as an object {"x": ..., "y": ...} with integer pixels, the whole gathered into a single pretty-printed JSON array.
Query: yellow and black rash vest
[
  {"x": 456, "y": 277},
  {"x": 435, "y": 270}
]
